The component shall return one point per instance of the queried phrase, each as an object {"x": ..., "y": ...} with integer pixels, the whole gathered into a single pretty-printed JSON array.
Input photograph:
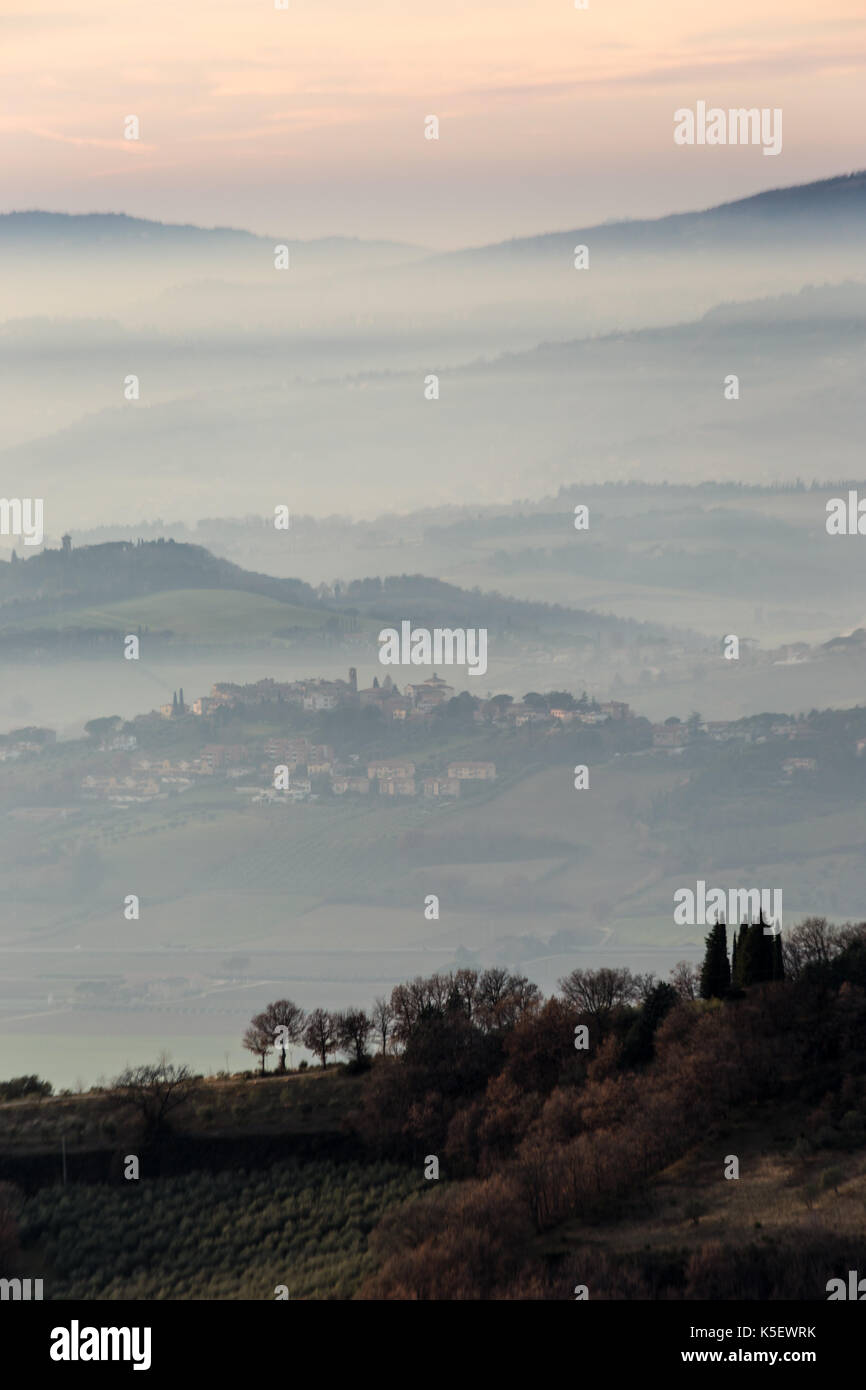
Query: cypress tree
[
  {"x": 174, "y": 702},
  {"x": 638, "y": 1045},
  {"x": 765, "y": 952},
  {"x": 741, "y": 956},
  {"x": 759, "y": 955},
  {"x": 772, "y": 965},
  {"x": 778, "y": 958},
  {"x": 748, "y": 956},
  {"x": 716, "y": 971}
]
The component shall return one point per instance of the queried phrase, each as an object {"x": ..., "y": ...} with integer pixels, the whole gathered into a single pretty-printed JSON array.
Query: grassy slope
[
  {"x": 691, "y": 1203},
  {"x": 305, "y": 1223},
  {"x": 202, "y": 615},
  {"x": 303, "y": 1103},
  {"x": 231, "y": 1235},
  {"x": 536, "y": 851},
  {"x": 300, "y": 1224}
]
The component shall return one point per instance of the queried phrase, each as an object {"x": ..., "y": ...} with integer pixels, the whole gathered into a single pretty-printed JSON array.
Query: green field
[
  {"x": 228, "y": 1235},
  {"x": 534, "y": 856},
  {"x": 201, "y": 615}
]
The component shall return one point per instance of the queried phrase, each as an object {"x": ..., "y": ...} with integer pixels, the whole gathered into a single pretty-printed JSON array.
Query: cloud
[
  {"x": 128, "y": 146},
  {"x": 734, "y": 66}
]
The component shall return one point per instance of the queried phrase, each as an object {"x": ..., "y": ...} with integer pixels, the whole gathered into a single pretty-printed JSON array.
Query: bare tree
[
  {"x": 812, "y": 942},
  {"x": 644, "y": 984},
  {"x": 156, "y": 1091},
  {"x": 259, "y": 1040},
  {"x": 599, "y": 992},
  {"x": 492, "y": 988},
  {"x": 492, "y": 1000},
  {"x": 284, "y": 1020},
  {"x": 852, "y": 933},
  {"x": 686, "y": 979},
  {"x": 464, "y": 991},
  {"x": 504, "y": 998},
  {"x": 383, "y": 1021},
  {"x": 320, "y": 1035},
  {"x": 411, "y": 1001},
  {"x": 352, "y": 1028}
]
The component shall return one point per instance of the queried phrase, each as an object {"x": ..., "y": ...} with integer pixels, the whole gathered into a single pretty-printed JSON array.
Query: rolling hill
[{"x": 182, "y": 592}]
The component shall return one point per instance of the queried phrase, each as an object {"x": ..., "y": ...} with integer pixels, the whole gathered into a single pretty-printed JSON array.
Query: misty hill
[
  {"x": 829, "y": 304},
  {"x": 485, "y": 299},
  {"x": 437, "y": 603},
  {"x": 182, "y": 590},
  {"x": 766, "y": 243},
  {"x": 115, "y": 231},
  {"x": 546, "y": 375},
  {"x": 642, "y": 403},
  {"x": 108, "y": 229},
  {"x": 836, "y": 204},
  {"x": 86, "y": 263},
  {"x": 122, "y": 569}
]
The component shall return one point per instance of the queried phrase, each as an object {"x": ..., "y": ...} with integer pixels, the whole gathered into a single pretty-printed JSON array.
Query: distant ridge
[
  {"x": 57, "y": 581},
  {"x": 841, "y": 194},
  {"x": 118, "y": 227},
  {"x": 124, "y": 569}
]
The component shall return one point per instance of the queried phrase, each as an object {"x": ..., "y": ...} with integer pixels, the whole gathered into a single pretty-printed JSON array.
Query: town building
[
  {"x": 397, "y": 786},
  {"x": 434, "y": 691},
  {"x": 792, "y": 765},
  {"x": 343, "y": 784},
  {"x": 219, "y": 755},
  {"x": 472, "y": 771},
  {"x": 670, "y": 735},
  {"x": 441, "y": 786},
  {"x": 390, "y": 768}
]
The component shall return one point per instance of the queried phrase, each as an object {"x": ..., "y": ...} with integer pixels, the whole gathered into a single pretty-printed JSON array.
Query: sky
[{"x": 309, "y": 121}]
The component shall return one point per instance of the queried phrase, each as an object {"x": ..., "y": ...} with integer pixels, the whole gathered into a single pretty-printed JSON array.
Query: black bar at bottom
[{"x": 228, "y": 1339}]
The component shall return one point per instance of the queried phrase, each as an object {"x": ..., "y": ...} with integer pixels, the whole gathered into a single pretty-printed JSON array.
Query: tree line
[
  {"x": 494, "y": 1000},
  {"x": 533, "y": 1130},
  {"x": 490, "y": 999}
]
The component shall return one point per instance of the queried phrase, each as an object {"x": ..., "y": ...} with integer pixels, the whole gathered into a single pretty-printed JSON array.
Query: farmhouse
[
  {"x": 472, "y": 772},
  {"x": 341, "y": 785},
  {"x": 441, "y": 786},
  {"x": 433, "y": 691},
  {"x": 397, "y": 786},
  {"x": 390, "y": 768}
]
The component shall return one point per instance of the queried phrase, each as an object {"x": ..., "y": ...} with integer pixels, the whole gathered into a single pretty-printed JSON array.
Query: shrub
[
  {"x": 831, "y": 1178},
  {"x": 21, "y": 1086},
  {"x": 218, "y": 1235}
]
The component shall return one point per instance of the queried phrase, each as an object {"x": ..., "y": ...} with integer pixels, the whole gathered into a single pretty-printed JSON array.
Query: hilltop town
[{"x": 281, "y": 742}]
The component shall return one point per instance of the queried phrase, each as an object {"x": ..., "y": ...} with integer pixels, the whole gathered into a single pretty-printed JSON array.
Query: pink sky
[{"x": 309, "y": 121}]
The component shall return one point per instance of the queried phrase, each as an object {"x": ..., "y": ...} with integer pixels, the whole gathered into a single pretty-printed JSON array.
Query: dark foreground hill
[{"x": 623, "y": 1139}]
